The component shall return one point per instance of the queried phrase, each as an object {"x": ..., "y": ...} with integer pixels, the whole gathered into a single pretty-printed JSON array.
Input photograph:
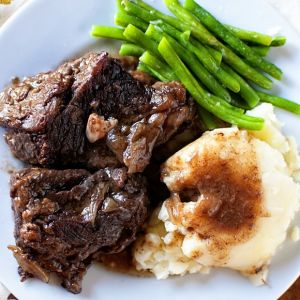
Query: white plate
[{"x": 45, "y": 33}]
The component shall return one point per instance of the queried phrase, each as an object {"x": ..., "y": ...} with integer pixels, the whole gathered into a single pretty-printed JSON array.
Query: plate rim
[{"x": 29, "y": 3}]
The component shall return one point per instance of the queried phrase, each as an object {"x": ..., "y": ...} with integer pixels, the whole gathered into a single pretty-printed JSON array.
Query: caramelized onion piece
[
  {"x": 97, "y": 197},
  {"x": 109, "y": 204},
  {"x": 29, "y": 265}
]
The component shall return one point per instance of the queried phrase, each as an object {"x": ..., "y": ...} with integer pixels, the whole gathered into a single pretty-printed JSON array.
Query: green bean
[
  {"x": 244, "y": 69},
  {"x": 261, "y": 50},
  {"x": 237, "y": 101},
  {"x": 136, "y": 36},
  {"x": 203, "y": 54},
  {"x": 185, "y": 35},
  {"x": 207, "y": 119},
  {"x": 123, "y": 19},
  {"x": 108, "y": 32},
  {"x": 280, "y": 102},
  {"x": 217, "y": 55},
  {"x": 224, "y": 77},
  {"x": 204, "y": 57},
  {"x": 216, "y": 108},
  {"x": 278, "y": 41},
  {"x": 202, "y": 74},
  {"x": 119, "y": 5},
  {"x": 151, "y": 14},
  {"x": 224, "y": 103},
  {"x": 144, "y": 68},
  {"x": 251, "y": 36},
  {"x": 247, "y": 92},
  {"x": 223, "y": 33},
  {"x": 154, "y": 63},
  {"x": 192, "y": 62},
  {"x": 131, "y": 50}
]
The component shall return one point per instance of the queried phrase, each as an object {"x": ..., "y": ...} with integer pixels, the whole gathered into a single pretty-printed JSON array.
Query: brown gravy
[
  {"x": 121, "y": 263},
  {"x": 226, "y": 175}
]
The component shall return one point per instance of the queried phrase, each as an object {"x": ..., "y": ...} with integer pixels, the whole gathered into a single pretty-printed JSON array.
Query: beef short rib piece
[
  {"x": 47, "y": 115},
  {"x": 63, "y": 217}
]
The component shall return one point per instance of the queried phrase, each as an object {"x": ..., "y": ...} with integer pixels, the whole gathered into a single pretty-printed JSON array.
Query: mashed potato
[{"x": 233, "y": 196}]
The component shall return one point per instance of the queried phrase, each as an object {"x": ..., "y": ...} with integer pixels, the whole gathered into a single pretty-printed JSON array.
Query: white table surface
[{"x": 288, "y": 8}]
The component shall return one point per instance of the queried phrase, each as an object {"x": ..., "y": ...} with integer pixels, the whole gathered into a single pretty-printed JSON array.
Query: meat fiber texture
[
  {"x": 88, "y": 114},
  {"x": 63, "y": 217},
  {"x": 46, "y": 115}
]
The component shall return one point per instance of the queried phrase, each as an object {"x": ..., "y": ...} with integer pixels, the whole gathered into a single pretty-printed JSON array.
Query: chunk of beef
[
  {"x": 63, "y": 217},
  {"x": 47, "y": 115},
  {"x": 189, "y": 131},
  {"x": 49, "y": 111}
]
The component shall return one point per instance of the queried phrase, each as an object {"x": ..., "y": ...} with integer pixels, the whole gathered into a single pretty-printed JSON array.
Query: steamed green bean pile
[{"x": 221, "y": 66}]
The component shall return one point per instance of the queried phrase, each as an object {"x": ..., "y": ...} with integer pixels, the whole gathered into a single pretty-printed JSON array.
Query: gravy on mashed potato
[{"x": 233, "y": 196}]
